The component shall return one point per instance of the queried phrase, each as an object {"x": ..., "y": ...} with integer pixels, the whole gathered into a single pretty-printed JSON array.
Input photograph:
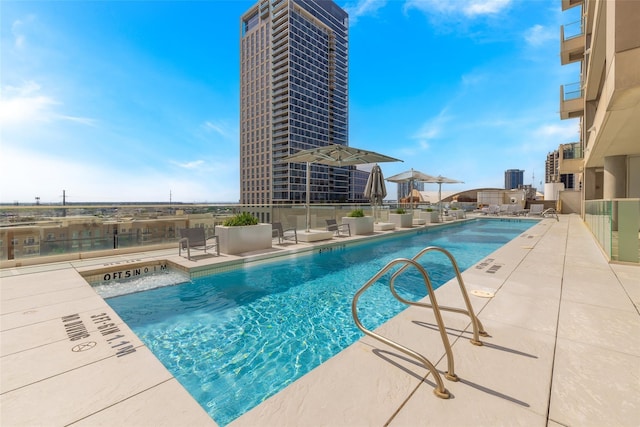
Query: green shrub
[
  {"x": 356, "y": 213},
  {"x": 400, "y": 211},
  {"x": 429, "y": 210},
  {"x": 241, "y": 219}
]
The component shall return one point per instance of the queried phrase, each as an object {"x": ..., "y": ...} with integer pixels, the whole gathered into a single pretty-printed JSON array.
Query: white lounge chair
[{"x": 536, "y": 209}]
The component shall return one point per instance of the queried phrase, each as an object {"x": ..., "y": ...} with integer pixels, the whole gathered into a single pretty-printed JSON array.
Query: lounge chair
[
  {"x": 332, "y": 225},
  {"x": 491, "y": 210},
  {"x": 503, "y": 209},
  {"x": 195, "y": 238},
  {"x": 550, "y": 212},
  {"x": 283, "y": 234},
  {"x": 536, "y": 209}
]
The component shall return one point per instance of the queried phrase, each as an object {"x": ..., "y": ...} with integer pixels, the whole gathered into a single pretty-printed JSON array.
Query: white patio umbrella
[
  {"x": 334, "y": 155},
  {"x": 375, "y": 190},
  {"x": 441, "y": 180},
  {"x": 410, "y": 176}
]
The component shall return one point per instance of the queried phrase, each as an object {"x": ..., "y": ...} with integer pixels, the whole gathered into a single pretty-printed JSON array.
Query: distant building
[
  {"x": 513, "y": 178},
  {"x": 293, "y": 96},
  {"x": 404, "y": 188}
]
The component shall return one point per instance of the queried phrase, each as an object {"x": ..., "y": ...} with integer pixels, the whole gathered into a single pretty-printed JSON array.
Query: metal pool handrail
[
  {"x": 478, "y": 329},
  {"x": 440, "y": 389}
]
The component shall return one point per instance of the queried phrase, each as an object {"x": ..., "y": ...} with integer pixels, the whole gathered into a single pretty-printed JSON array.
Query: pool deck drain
[{"x": 68, "y": 359}]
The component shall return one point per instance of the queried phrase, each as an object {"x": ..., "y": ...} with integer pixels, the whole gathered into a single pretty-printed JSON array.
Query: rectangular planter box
[
  {"x": 361, "y": 225},
  {"x": 430, "y": 217},
  {"x": 404, "y": 220},
  {"x": 247, "y": 238}
]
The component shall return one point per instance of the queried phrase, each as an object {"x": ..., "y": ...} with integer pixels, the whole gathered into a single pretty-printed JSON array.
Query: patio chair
[
  {"x": 195, "y": 238},
  {"x": 283, "y": 234},
  {"x": 332, "y": 225},
  {"x": 536, "y": 209}
]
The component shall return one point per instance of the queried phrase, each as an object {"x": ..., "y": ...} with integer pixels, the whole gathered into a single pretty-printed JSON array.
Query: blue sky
[{"x": 138, "y": 100}]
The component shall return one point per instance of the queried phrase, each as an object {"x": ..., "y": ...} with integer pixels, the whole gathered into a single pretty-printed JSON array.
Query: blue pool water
[{"x": 235, "y": 338}]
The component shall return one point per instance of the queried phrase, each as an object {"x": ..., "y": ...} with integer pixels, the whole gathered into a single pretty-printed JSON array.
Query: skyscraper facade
[
  {"x": 293, "y": 96},
  {"x": 513, "y": 178}
]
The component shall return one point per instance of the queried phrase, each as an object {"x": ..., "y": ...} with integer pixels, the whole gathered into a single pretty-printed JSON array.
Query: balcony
[
  {"x": 572, "y": 42},
  {"x": 571, "y": 101},
  {"x": 571, "y": 159},
  {"x": 568, "y": 4}
]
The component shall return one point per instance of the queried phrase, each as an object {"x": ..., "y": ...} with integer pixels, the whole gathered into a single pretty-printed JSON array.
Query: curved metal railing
[
  {"x": 406, "y": 263},
  {"x": 440, "y": 389},
  {"x": 478, "y": 329}
]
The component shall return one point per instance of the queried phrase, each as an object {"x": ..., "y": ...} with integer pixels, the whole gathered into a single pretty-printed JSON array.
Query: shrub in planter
[
  {"x": 356, "y": 213},
  {"x": 401, "y": 218},
  {"x": 241, "y": 219},
  {"x": 243, "y": 233}
]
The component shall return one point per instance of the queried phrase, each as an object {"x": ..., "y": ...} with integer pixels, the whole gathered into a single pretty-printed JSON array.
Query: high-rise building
[
  {"x": 605, "y": 41},
  {"x": 513, "y": 178},
  {"x": 293, "y": 96}
]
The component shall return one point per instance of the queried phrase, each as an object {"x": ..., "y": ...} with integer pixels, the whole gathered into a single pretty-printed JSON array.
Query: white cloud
[
  {"x": 432, "y": 128},
  {"x": 538, "y": 35},
  {"x": 219, "y": 128},
  {"x": 88, "y": 182},
  {"x": 363, "y": 8},
  {"x": 20, "y": 39},
  {"x": 563, "y": 133},
  {"x": 470, "y": 8},
  {"x": 196, "y": 164},
  {"x": 23, "y": 105}
]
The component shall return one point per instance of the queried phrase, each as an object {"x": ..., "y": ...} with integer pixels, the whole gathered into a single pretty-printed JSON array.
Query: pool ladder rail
[{"x": 478, "y": 329}]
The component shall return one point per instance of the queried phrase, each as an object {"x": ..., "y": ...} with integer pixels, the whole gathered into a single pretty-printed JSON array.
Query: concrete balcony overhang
[
  {"x": 571, "y": 107},
  {"x": 570, "y": 166},
  {"x": 572, "y": 48},
  {"x": 568, "y": 4}
]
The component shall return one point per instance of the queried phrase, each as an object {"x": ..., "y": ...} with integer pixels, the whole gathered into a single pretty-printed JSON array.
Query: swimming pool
[{"x": 235, "y": 338}]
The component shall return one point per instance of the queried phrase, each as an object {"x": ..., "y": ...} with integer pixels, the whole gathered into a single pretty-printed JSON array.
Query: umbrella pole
[
  {"x": 440, "y": 201},
  {"x": 308, "y": 196}
]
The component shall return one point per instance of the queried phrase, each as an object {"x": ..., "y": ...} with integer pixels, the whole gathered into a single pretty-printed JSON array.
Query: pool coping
[{"x": 96, "y": 387}]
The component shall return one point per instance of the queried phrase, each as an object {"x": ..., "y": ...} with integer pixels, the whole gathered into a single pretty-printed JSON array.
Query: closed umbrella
[
  {"x": 334, "y": 155},
  {"x": 375, "y": 190}
]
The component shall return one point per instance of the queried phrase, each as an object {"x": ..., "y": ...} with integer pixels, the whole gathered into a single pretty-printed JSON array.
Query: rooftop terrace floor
[{"x": 563, "y": 349}]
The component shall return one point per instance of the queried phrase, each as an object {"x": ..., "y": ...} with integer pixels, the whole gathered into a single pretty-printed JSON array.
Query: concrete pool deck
[{"x": 563, "y": 350}]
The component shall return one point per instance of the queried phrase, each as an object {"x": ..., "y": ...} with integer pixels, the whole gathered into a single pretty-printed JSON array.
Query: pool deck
[{"x": 563, "y": 350}]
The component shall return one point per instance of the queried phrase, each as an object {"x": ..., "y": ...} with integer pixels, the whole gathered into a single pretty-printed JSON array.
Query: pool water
[{"x": 233, "y": 339}]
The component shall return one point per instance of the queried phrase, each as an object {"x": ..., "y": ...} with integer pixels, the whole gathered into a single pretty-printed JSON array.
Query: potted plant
[
  {"x": 358, "y": 222},
  {"x": 401, "y": 218},
  {"x": 430, "y": 215},
  {"x": 243, "y": 233}
]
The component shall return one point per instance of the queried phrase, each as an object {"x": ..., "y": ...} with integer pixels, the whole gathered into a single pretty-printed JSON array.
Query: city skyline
[{"x": 134, "y": 101}]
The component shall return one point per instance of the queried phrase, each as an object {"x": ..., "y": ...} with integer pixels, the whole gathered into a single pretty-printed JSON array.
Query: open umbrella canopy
[
  {"x": 339, "y": 155},
  {"x": 442, "y": 180},
  {"x": 334, "y": 155},
  {"x": 410, "y": 175}
]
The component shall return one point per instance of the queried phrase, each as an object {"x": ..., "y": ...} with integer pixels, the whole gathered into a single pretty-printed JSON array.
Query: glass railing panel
[
  {"x": 626, "y": 230},
  {"x": 572, "y": 91},
  {"x": 573, "y": 30}
]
